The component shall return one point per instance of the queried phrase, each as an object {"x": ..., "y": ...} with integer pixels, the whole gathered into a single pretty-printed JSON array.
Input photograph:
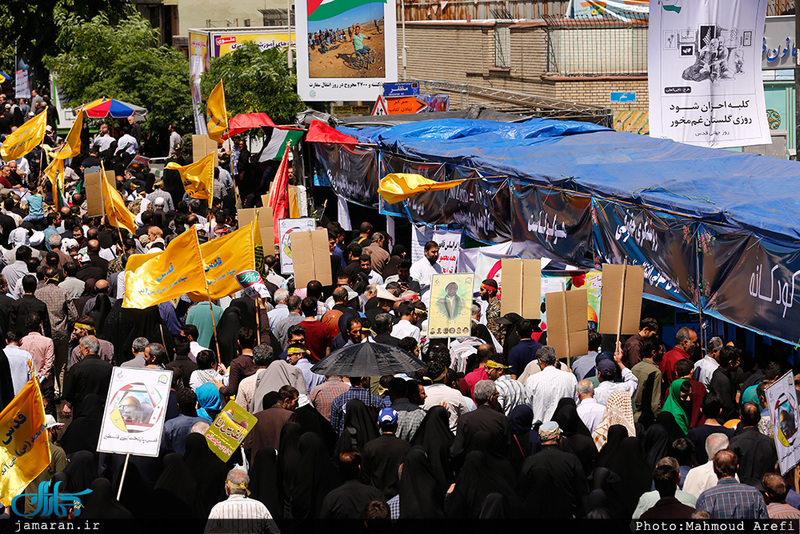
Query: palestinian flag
[
  {"x": 277, "y": 144},
  {"x": 326, "y": 9}
]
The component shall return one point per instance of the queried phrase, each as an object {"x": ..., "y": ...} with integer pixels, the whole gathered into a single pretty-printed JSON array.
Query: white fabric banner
[
  {"x": 195, "y": 73},
  {"x": 135, "y": 411},
  {"x": 782, "y": 403},
  {"x": 449, "y": 246},
  {"x": 704, "y": 67}
]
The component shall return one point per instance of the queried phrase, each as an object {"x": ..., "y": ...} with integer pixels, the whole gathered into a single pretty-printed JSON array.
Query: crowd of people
[{"x": 495, "y": 425}]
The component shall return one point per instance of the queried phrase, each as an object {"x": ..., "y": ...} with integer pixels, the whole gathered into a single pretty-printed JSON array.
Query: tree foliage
[
  {"x": 122, "y": 61},
  {"x": 33, "y": 25},
  {"x": 256, "y": 81}
]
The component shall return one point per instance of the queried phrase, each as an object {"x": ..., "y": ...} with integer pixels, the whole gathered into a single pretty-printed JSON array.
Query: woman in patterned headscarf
[{"x": 618, "y": 412}]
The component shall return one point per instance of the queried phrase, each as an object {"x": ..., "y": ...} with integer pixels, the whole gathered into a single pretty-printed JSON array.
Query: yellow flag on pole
[
  {"x": 197, "y": 177},
  {"x": 223, "y": 259},
  {"x": 154, "y": 278},
  {"x": 55, "y": 172},
  {"x": 397, "y": 187},
  {"x": 217, "y": 121},
  {"x": 24, "y": 445},
  {"x": 25, "y": 138},
  {"x": 117, "y": 214},
  {"x": 72, "y": 146}
]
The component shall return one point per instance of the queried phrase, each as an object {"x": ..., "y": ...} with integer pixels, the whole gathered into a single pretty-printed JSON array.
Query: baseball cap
[
  {"x": 387, "y": 417},
  {"x": 606, "y": 365},
  {"x": 51, "y": 422}
]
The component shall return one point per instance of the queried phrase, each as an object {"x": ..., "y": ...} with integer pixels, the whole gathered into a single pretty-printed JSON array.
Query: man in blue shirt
[
  {"x": 525, "y": 351},
  {"x": 358, "y": 42}
]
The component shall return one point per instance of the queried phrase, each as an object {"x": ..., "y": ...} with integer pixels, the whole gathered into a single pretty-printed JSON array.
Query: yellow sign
[
  {"x": 229, "y": 430},
  {"x": 225, "y": 44},
  {"x": 450, "y": 311}
]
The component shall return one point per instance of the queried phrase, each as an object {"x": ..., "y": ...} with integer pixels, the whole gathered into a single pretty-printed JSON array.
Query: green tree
[
  {"x": 256, "y": 81},
  {"x": 32, "y": 26},
  {"x": 123, "y": 61}
]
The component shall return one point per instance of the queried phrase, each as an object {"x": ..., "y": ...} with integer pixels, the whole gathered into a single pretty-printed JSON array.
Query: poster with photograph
[
  {"x": 704, "y": 65},
  {"x": 450, "y": 311},
  {"x": 782, "y": 403},
  {"x": 136, "y": 407},
  {"x": 346, "y": 49},
  {"x": 286, "y": 227}
]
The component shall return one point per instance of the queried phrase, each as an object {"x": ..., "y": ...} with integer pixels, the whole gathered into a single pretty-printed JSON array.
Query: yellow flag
[
  {"x": 397, "y": 187},
  {"x": 25, "y": 138},
  {"x": 198, "y": 177},
  {"x": 117, "y": 214},
  {"x": 72, "y": 146},
  {"x": 55, "y": 172},
  {"x": 154, "y": 278},
  {"x": 217, "y": 121},
  {"x": 223, "y": 259},
  {"x": 24, "y": 447}
]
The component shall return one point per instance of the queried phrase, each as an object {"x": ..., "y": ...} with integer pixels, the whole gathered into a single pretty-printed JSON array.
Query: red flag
[
  {"x": 319, "y": 132},
  {"x": 248, "y": 121},
  {"x": 279, "y": 195}
]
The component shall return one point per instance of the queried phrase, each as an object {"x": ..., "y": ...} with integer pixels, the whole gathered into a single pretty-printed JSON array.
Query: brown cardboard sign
[
  {"x": 265, "y": 222},
  {"x": 622, "y": 285},
  {"x": 202, "y": 146},
  {"x": 567, "y": 326},
  {"x": 521, "y": 287},
  {"x": 312, "y": 247},
  {"x": 94, "y": 194}
]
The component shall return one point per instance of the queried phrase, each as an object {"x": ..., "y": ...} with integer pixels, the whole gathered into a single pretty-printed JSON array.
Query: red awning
[{"x": 319, "y": 132}]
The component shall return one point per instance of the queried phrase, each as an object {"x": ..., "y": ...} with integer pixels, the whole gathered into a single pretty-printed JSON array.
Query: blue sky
[{"x": 357, "y": 15}]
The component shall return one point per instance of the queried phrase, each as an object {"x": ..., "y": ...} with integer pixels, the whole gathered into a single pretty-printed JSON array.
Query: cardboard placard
[
  {"x": 202, "y": 146},
  {"x": 567, "y": 326},
  {"x": 521, "y": 287},
  {"x": 229, "y": 429},
  {"x": 265, "y": 224},
  {"x": 294, "y": 211},
  {"x": 312, "y": 247},
  {"x": 94, "y": 194},
  {"x": 624, "y": 285},
  {"x": 265, "y": 200}
]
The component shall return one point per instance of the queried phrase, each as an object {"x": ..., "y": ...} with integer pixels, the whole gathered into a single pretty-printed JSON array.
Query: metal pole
[
  {"x": 796, "y": 80},
  {"x": 289, "y": 27},
  {"x": 403, "y": 22}
]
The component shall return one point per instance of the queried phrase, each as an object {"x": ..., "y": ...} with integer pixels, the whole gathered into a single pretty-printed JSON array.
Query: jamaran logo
[
  {"x": 48, "y": 504},
  {"x": 671, "y": 5}
]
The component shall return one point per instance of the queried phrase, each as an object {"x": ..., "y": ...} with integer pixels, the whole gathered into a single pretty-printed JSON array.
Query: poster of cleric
[{"x": 704, "y": 68}]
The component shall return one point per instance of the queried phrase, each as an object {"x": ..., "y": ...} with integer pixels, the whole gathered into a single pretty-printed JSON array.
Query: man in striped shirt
[
  {"x": 730, "y": 499},
  {"x": 775, "y": 491},
  {"x": 239, "y": 513}
]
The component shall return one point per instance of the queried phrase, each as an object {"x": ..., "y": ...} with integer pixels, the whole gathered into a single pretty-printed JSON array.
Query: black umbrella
[{"x": 367, "y": 359}]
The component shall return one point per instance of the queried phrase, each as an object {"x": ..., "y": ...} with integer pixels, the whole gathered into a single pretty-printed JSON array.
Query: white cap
[{"x": 50, "y": 421}]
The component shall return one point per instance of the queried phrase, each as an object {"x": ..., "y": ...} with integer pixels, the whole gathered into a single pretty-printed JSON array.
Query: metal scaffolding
[{"x": 540, "y": 106}]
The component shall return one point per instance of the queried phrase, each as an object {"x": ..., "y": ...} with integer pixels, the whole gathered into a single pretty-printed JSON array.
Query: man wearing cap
[
  {"x": 450, "y": 304},
  {"x": 382, "y": 456},
  {"x": 489, "y": 294},
  {"x": 553, "y": 483},
  {"x": 58, "y": 461},
  {"x": 385, "y": 303},
  {"x": 486, "y": 418},
  {"x": 606, "y": 371}
]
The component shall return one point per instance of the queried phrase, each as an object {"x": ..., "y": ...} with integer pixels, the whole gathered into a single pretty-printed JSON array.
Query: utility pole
[{"x": 289, "y": 32}]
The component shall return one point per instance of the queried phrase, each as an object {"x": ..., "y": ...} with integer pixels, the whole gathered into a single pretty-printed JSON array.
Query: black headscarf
[
  {"x": 80, "y": 471},
  {"x": 264, "y": 481},
  {"x": 232, "y": 320},
  {"x": 616, "y": 433},
  {"x": 667, "y": 420},
  {"x": 628, "y": 462},
  {"x": 656, "y": 444},
  {"x": 288, "y": 459},
  {"x": 312, "y": 421},
  {"x": 175, "y": 493},
  {"x": 475, "y": 482},
  {"x": 575, "y": 437},
  {"x": 483, "y": 441},
  {"x": 6, "y": 384},
  {"x": 317, "y": 475},
  {"x": 521, "y": 418},
  {"x": 83, "y": 432},
  {"x": 435, "y": 437},
  {"x": 359, "y": 428},
  {"x": 421, "y": 494},
  {"x": 208, "y": 470},
  {"x": 123, "y": 325},
  {"x": 100, "y": 311},
  {"x": 101, "y": 503}
]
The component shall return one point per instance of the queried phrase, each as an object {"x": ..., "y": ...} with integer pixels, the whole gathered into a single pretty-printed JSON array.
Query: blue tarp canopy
[{"x": 714, "y": 229}]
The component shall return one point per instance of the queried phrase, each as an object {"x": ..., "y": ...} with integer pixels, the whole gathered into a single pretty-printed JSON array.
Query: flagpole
[{"x": 122, "y": 479}]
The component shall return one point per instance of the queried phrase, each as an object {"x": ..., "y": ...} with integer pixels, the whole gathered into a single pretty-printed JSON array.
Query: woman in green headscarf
[{"x": 679, "y": 403}]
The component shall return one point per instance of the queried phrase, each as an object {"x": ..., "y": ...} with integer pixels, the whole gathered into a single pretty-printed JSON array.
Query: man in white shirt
[
  {"x": 239, "y": 513},
  {"x": 549, "y": 386},
  {"x": 704, "y": 368},
  {"x": 423, "y": 270},
  {"x": 439, "y": 392},
  {"x": 703, "y": 477},
  {"x": 589, "y": 410},
  {"x": 405, "y": 327},
  {"x": 281, "y": 310}
]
